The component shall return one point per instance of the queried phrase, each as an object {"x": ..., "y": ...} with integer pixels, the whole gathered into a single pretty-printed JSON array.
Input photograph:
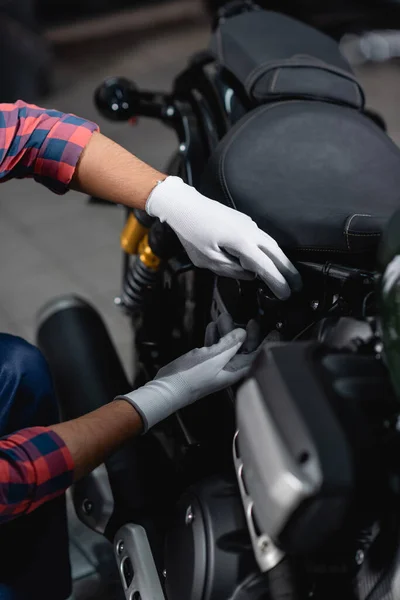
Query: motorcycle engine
[{"x": 208, "y": 549}]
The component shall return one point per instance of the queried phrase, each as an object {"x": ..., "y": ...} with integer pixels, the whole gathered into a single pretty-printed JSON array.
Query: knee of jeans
[{"x": 23, "y": 362}]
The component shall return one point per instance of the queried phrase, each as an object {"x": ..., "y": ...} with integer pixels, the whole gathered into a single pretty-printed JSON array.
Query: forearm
[
  {"x": 93, "y": 437},
  {"x": 107, "y": 170}
]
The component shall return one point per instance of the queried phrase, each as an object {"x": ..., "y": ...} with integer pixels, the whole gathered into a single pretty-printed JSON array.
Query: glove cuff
[
  {"x": 164, "y": 195},
  {"x": 151, "y": 404}
]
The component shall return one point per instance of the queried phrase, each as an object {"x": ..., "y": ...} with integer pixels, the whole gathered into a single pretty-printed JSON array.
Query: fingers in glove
[
  {"x": 219, "y": 355},
  {"x": 212, "y": 335},
  {"x": 225, "y": 265},
  {"x": 225, "y": 324},
  {"x": 256, "y": 260},
  {"x": 281, "y": 261},
  {"x": 253, "y": 337}
]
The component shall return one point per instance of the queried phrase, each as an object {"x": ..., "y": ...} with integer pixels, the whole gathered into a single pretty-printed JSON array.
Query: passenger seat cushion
[{"x": 273, "y": 55}]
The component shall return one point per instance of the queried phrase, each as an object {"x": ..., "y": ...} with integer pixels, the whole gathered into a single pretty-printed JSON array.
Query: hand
[
  {"x": 221, "y": 239},
  {"x": 245, "y": 356},
  {"x": 199, "y": 373}
]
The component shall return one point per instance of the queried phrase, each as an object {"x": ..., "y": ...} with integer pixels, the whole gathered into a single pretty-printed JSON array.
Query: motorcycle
[{"x": 303, "y": 503}]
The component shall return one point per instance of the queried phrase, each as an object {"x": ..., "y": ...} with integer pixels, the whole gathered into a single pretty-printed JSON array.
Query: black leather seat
[
  {"x": 320, "y": 178},
  {"x": 275, "y": 56}
]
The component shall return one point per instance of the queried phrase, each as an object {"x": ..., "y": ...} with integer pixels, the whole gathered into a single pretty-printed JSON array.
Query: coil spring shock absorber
[
  {"x": 142, "y": 276},
  {"x": 151, "y": 242}
]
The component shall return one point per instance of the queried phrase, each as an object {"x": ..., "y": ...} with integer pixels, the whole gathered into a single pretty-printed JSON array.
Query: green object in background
[{"x": 389, "y": 262}]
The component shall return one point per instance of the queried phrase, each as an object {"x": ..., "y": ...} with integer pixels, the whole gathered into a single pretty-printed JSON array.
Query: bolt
[
  {"x": 189, "y": 518},
  {"x": 314, "y": 305},
  {"x": 164, "y": 573},
  {"x": 120, "y": 548},
  {"x": 279, "y": 325},
  {"x": 359, "y": 557},
  {"x": 170, "y": 111},
  {"x": 182, "y": 148},
  {"x": 87, "y": 506},
  {"x": 264, "y": 546}
]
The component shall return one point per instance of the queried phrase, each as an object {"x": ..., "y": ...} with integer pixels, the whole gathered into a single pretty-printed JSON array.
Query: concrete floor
[{"x": 51, "y": 245}]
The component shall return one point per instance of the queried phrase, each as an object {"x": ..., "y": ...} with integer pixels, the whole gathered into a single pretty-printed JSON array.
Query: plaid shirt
[
  {"x": 43, "y": 144},
  {"x": 35, "y": 464}
]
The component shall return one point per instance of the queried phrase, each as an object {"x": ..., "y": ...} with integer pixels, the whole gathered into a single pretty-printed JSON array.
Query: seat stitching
[
  {"x": 364, "y": 234},
  {"x": 322, "y": 250},
  {"x": 292, "y": 62},
  {"x": 275, "y": 79},
  {"x": 347, "y": 226}
]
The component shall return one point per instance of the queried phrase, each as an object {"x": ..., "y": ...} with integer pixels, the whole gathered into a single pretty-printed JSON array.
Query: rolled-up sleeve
[
  {"x": 43, "y": 144},
  {"x": 35, "y": 467}
]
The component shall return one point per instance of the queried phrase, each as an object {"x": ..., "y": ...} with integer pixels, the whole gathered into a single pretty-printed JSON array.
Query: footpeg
[{"x": 136, "y": 564}]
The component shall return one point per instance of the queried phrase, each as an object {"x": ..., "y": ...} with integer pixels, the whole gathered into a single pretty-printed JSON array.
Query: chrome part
[
  {"x": 276, "y": 481},
  {"x": 120, "y": 547},
  {"x": 266, "y": 553},
  {"x": 359, "y": 558},
  {"x": 136, "y": 564},
  {"x": 87, "y": 506},
  {"x": 189, "y": 518},
  {"x": 93, "y": 499}
]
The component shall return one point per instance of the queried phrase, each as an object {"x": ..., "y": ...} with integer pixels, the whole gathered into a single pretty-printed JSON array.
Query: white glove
[
  {"x": 221, "y": 239},
  {"x": 199, "y": 373}
]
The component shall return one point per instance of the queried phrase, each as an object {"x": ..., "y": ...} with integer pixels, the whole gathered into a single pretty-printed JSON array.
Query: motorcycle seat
[
  {"x": 321, "y": 179},
  {"x": 273, "y": 55}
]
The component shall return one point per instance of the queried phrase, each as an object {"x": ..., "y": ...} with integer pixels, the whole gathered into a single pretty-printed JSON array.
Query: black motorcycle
[{"x": 270, "y": 121}]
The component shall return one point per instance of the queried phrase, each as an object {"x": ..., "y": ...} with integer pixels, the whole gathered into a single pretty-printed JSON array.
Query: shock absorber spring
[{"x": 141, "y": 277}]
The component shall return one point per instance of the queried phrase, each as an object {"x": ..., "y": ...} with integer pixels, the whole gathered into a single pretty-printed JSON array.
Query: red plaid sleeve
[
  {"x": 39, "y": 143},
  {"x": 35, "y": 467}
]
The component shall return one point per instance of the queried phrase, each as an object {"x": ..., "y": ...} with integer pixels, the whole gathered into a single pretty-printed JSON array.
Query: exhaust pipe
[
  {"x": 87, "y": 374},
  {"x": 86, "y": 369}
]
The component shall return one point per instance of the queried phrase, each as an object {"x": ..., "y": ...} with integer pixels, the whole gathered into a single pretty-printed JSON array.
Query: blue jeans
[{"x": 34, "y": 561}]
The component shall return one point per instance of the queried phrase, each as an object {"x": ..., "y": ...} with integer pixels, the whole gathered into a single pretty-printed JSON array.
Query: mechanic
[{"x": 39, "y": 457}]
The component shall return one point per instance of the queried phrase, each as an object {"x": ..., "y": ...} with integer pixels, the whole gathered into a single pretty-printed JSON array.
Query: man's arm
[
  {"x": 43, "y": 144},
  {"x": 95, "y": 436},
  {"x": 58, "y": 149},
  {"x": 39, "y": 464}
]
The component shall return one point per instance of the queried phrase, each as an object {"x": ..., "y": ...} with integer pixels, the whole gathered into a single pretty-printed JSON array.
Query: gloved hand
[
  {"x": 221, "y": 239},
  {"x": 201, "y": 372},
  {"x": 245, "y": 356}
]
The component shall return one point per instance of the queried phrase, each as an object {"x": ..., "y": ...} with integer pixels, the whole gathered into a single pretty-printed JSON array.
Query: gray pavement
[{"x": 52, "y": 245}]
